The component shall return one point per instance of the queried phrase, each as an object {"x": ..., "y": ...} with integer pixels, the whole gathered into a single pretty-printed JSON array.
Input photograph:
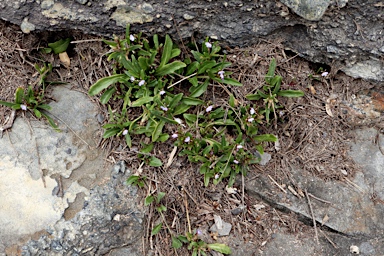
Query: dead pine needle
[
  {"x": 312, "y": 216},
  {"x": 277, "y": 184}
]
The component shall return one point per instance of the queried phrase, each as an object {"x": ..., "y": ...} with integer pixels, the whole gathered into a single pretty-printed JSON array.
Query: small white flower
[
  {"x": 235, "y": 161},
  {"x": 164, "y": 108},
  {"x": 132, "y": 79},
  {"x": 208, "y": 44},
  {"x": 188, "y": 139},
  {"x": 174, "y": 136},
  {"x": 252, "y": 111},
  {"x": 23, "y": 107},
  {"x": 221, "y": 74},
  {"x": 250, "y": 120},
  {"x": 125, "y": 132},
  {"x": 217, "y": 176},
  {"x": 209, "y": 108},
  {"x": 239, "y": 146},
  {"x": 324, "y": 74},
  {"x": 162, "y": 92},
  {"x": 132, "y": 38},
  {"x": 142, "y": 82},
  {"x": 178, "y": 120}
]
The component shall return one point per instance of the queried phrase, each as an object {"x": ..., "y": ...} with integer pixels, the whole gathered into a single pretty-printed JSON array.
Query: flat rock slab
[
  {"x": 34, "y": 158},
  {"x": 353, "y": 207}
]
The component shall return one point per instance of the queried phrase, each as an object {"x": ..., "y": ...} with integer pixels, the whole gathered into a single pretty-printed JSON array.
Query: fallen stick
[{"x": 277, "y": 184}]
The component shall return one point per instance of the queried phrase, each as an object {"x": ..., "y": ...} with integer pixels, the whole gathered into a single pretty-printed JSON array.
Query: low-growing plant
[
  {"x": 222, "y": 137},
  {"x": 269, "y": 92},
  {"x": 34, "y": 99}
]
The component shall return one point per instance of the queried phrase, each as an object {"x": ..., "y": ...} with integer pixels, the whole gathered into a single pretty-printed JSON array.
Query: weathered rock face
[{"x": 348, "y": 35}]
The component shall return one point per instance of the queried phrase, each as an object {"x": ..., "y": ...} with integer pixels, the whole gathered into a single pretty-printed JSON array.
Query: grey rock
[
  {"x": 308, "y": 9},
  {"x": 347, "y": 36},
  {"x": 354, "y": 212}
]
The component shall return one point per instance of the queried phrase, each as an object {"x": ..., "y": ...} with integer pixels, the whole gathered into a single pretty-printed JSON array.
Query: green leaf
[
  {"x": 176, "y": 243},
  {"x": 192, "y": 101},
  {"x": 128, "y": 140},
  {"x": 271, "y": 72},
  {"x": 225, "y": 249},
  {"x": 104, "y": 82},
  {"x": 160, "y": 196},
  {"x": 167, "y": 51},
  {"x": 51, "y": 122},
  {"x": 37, "y": 113},
  {"x": 169, "y": 68},
  {"x": 206, "y": 66},
  {"x": 291, "y": 93},
  {"x": 19, "y": 95},
  {"x": 141, "y": 101},
  {"x": 111, "y": 132},
  {"x": 44, "y": 107},
  {"x": 265, "y": 137},
  {"x": 156, "y": 229},
  {"x": 60, "y": 46},
  {"x": 253, "y": 96},
  {"x": 276, "y": 82},
  {"x": 161, "y": 208},
  {"x": 107, "y": 95},
  {"x": 156, "y": 41},
  {"x": 148, "y": 148},
  {"x": 132, "y": 180},
  {"x": 155, "y": 162},
  {"x": 163, "y": 137},
  {"x": 180, "y": 109},
  {"x": 158, "y": 130},
  {"x": 148, "y": 200},
  {"x": 176, "y": 99},
  {"x": 143, "y": 62},
  {"x": 229, "y": 81},
  {"x": 232, "y": 101},
  {"x": 175, "y": 52},
  {"x": 10, "y": 104},
  {"x": 199, "y": 90},
  {"x": 192, "y": 68}
]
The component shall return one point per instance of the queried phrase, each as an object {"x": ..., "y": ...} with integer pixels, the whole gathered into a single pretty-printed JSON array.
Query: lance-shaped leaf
[
  {"x": 291, "y": 93},
  {"x": 167, "y": 51},
  {"x": 104, "y": 83},
  {"x": 169, "y": 68}
]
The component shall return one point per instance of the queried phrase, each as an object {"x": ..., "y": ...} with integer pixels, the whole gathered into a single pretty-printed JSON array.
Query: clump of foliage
[
  {"x": 222, "y": 138},
  {"x": 34, "y": 99}
]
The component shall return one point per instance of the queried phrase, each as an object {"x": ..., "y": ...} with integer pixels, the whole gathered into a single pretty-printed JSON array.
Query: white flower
[
  {"x": 239, "y": 146},
  {"x": 324, "y": 74},
  {"x": 23, "y": 107},
  {"x": 162, "y": 92},
  {"x": 208, "y": 44},
  {"x": 188, "y": 139},
  {"x": 179, "y": 121},
  {"x": 252, "y": 111},
  {"x": 250, "y": 120},
  {"x": 174, "y": 136},
  {"x": 164, "y": 108},
  {"x": 217, "y": 176},
  {"x": 221, "y": 74},
  {"x": 142, "y": 82},
  {"x": 209, "y": 108},
  {"x": 125, "y": 132},
  {"x": 132, "y": 38},
  {"x": 132, "y": 79},
  {"x": 235, "y": 161}
]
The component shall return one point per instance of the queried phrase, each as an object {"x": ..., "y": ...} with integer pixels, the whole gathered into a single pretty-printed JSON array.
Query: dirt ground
[{"x": 313, "y": 132}]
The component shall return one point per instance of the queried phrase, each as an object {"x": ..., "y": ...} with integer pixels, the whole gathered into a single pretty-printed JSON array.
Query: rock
[
  {"x": 347, "y": 35},
  {"x": 221, "y": 227},
  {"x": 48, "y": 184},
  {"x": 352, "y": 209},
  {"x": 308, "y": 9}
]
